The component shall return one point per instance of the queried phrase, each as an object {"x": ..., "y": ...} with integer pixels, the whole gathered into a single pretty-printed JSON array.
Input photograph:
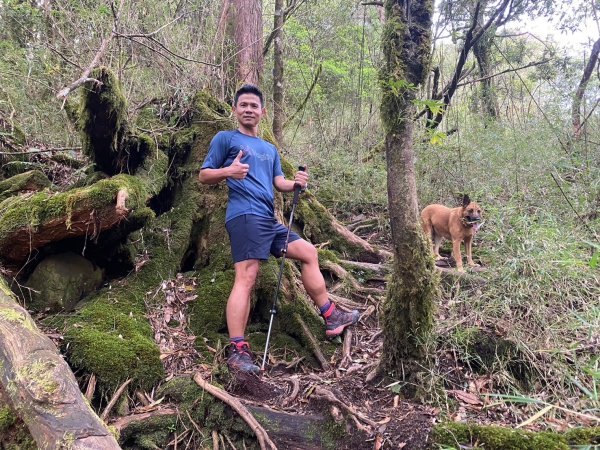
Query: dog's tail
[{"x": 426, "y": 224}]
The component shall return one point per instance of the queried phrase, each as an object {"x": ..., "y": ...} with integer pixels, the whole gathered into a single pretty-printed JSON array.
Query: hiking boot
[
  {"x": 336, "y": 321},
  {"x": 241, "y": 358}
]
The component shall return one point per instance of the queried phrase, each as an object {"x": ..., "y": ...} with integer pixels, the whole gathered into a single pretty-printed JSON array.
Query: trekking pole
[{"x": 297, "y": 190}]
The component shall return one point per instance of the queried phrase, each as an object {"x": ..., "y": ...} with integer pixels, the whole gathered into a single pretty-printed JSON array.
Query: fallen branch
[
  {"x": 41, "y": 386},
  {"x": 326, "y": 394},
  {"x": 313, "y": 343},
  {"x": 262, "y": 436},
  {"x": 295, "y": 390},
  {"x": 123, "y": 422},
  {"x": 115, "y": 398}
]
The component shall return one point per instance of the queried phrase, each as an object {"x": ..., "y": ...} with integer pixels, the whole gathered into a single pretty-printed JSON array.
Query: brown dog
[{"x": 456, "y": 224}]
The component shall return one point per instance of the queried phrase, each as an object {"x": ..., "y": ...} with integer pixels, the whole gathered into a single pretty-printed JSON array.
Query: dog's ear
[{"x": 466, "y": 200}]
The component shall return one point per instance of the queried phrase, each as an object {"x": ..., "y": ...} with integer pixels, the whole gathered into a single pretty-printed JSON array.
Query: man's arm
[
  {"x": 236, "y": 170},
  {"x": 283, "y": 185}
]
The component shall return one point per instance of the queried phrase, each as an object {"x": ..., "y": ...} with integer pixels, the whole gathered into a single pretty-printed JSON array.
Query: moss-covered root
[
  {"x": 458, "y": 435},
  {"x": 108, "y": 139}
]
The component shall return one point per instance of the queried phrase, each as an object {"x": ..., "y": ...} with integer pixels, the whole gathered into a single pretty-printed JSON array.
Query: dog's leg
[
  {"x": 468, "y": 248},
  {"x": 456, "y": 254},
  {"x": 437, "y": 241}
]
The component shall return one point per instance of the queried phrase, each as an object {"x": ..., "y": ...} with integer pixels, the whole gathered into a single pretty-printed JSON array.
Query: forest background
[{"x": 519, "y": 133}]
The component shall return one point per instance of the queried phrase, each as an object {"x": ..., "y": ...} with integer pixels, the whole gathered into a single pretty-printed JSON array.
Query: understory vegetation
[{"x": 516, "y": 343}]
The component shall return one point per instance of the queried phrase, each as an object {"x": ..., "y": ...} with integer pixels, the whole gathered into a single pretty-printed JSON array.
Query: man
[{"x": 252, "y": 168}]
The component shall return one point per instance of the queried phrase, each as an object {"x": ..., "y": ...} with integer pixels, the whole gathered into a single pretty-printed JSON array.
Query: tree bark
[
  {"x": 578, "y": 98},
  {"x": 248, "y": 31},
  {"x": 278, "y": 67},
  {"x": 487, "y": 96},
  {"x": 408, "y": 308},
  {"x": 41, "y": 387}
]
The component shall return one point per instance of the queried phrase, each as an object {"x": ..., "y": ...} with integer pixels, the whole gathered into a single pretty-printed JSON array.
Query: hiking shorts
[{"x": 255, "y": 237}]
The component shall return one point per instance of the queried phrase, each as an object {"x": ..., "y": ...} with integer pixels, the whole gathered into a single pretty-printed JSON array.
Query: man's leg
[
  {"x": 238, "y": 304},
  {"x": 237, "y": 312},
  {"x": 336, "y": 321},
  {"x": 312, "y": 278}
]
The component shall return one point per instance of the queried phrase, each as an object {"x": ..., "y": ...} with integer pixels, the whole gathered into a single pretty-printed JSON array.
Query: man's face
[{"x": 248, "y": 110}]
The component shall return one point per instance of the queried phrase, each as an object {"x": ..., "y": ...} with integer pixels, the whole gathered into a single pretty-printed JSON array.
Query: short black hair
[{"x": 249, "y": 89}]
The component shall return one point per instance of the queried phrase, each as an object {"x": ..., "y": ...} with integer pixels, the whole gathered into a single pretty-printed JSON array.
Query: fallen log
[
  {"x": 33, "y": 180},
  {"x": 41, "y": 387},
  {"x": 31, "y": 222}
]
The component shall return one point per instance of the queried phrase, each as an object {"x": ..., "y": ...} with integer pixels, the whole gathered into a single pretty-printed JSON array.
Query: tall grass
[{"x": 542, "y": 287}]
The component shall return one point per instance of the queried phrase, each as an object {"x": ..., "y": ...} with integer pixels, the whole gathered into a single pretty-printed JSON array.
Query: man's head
[
  {"x": 249, "y": 89},
  {"x": 248, "y": 108}
]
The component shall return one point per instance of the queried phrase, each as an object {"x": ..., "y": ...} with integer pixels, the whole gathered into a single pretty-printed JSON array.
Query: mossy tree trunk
[
  {"x": 41, "y": 386},
  {"x": 408, "y": 309},
  {"x": 487, "y": 94}
]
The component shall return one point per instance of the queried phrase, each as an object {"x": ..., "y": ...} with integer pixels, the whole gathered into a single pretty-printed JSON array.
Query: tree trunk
[
  {"x": 481, "y": 50},
  {"x": 248, "y": 32},
  {"x": 278, "y": 80},
  {"x": 41, "y": 386},
  {"x": 408, "y": 309},
  {"x": 578, "y": 98}
]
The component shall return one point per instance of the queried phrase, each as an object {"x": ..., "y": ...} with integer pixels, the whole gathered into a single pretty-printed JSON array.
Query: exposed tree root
[
  {"x": 316, "y": 348},
  {"x": 262, "y": 436},
  {"x": 325, "y": 394}
]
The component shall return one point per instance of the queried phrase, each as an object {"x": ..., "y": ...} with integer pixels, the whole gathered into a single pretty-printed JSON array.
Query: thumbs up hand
[{"x": 238, "y": 170}]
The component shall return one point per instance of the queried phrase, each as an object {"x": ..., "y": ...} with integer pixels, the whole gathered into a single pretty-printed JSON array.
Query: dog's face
[{"x": 472, "y": 212}]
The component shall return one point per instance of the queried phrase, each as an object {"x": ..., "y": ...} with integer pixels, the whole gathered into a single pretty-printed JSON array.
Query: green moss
[
  {"x": 13, "y": 168},
  {"x": 31, "y": 180},
  {"x": 39, "y": 377},
  {"x": 103, "y": 121},
  {"x": 328, "y": 255},
  {"x": 14, "y": 435},
  {"x": 498, "y": 438},
  {"x": 206, "y": 410},
  {"x": 44, "y": 207},
  {"x": 583, "y": 436},
  {"x": 408, "y": 311},
  {"x": 207, "y": 314},
  {"x": 7, "y": 312},
  {"x": 153, "y": 433},
  {"x": 7, "y": 418},
  {"x": 485, "y": 352},
  {"x": 115, "y": 346}
]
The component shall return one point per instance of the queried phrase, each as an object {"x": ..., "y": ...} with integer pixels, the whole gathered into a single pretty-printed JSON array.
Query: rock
[{"x": 60, "y": 281}]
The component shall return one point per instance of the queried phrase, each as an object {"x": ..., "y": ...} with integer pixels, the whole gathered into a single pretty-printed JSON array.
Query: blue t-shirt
[{"x": 253, "y": 194}]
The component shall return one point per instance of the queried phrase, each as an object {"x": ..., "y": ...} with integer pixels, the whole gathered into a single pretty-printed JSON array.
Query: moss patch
[
  {"x": 458, "y": 435},
  {"x": 30, "y": 180}
]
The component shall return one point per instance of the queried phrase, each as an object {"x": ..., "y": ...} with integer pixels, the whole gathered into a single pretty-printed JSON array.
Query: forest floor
[{"x": 380, "y": 417}]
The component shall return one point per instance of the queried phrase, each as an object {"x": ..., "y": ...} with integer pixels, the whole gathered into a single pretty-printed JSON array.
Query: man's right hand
[{"x": 238, "y": 170}]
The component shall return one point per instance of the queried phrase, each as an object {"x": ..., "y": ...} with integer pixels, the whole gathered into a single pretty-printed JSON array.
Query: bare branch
[
  {"x": 163, "y": 46},
  {"x": 513, "y": 69},
  {"x": 286, "y": 13},
  {"x": 85, "y": 76}
]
